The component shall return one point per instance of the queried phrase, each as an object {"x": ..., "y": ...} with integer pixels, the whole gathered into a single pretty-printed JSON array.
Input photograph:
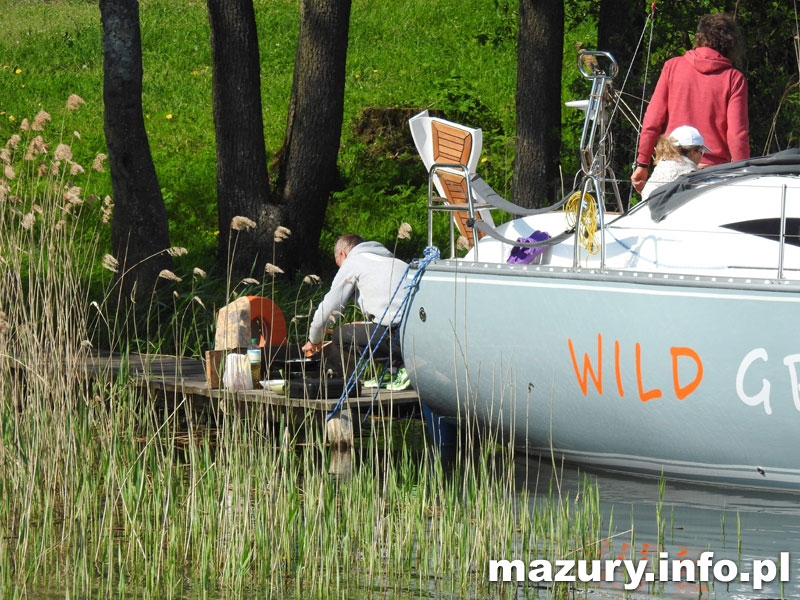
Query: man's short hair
[
  {"x": 719, "y": 32},
  {"x": 346, "y": 243}
]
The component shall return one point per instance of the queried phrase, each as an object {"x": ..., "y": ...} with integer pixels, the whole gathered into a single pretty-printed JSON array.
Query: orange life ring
[{"x": 267, "y": 323}]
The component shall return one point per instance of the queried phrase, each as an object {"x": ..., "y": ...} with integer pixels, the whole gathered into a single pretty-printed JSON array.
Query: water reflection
[
  {"x": 735, "y": 524},
  {"x": 340, "y": 462}
]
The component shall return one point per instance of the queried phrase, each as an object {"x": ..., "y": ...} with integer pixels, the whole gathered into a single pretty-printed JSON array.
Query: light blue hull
[{"x": 694, "y": 377}]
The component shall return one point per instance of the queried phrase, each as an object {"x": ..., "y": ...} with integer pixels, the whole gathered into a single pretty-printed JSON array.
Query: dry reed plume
[
  {"x": 242, "y": 224},
  {"x": 281, "y": 234}
]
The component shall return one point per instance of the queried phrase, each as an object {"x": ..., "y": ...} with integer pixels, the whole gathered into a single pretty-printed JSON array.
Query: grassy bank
[
  {"x": 456, "y": 57},
  {"x": 107, "y": 491}
]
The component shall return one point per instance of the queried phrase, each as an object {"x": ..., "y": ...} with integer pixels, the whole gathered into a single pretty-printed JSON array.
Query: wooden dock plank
[{"x": 186, "y": 376}]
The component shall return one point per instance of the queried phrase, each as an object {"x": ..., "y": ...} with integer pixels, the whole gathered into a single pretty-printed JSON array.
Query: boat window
[{"x": 770, "y": 229}]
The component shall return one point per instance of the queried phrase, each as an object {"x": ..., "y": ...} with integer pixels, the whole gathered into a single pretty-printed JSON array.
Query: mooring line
[{"x": 430, "y": 253}]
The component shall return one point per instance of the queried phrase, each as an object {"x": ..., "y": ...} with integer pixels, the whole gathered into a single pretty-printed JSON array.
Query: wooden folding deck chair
[{"x": 452, "y": 145}]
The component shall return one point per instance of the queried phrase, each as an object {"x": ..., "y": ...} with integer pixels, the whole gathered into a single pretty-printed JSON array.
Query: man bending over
[{"x": 370, "y": 272}]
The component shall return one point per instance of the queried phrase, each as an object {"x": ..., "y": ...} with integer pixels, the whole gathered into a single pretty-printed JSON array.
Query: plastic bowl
[{"x": 275, "y": 385}]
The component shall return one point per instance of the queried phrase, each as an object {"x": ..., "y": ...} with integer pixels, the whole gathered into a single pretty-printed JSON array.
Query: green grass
[{"x": 455, "y": 57}]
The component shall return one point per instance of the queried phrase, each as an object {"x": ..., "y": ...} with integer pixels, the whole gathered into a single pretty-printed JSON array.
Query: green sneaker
[
  {"x": 376, "y": 381},
  {"x": 400, "y": 381}
]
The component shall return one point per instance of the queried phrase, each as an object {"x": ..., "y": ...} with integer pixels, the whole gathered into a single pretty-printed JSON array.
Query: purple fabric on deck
[{"x": 523, "y": 256}]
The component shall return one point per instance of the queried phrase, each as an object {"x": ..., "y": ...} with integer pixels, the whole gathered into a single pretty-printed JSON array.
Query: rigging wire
[
  {"x": 430, "y": 253},
  {"x": 618, "y": 101}
]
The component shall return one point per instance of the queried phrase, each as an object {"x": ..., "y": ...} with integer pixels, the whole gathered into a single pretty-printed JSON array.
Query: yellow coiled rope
[{"x": 588, "y": 225}]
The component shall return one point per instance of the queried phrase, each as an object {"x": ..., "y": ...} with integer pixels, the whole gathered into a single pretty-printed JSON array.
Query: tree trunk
[
  {"x": 539, "y": 52},
  {"x": 242, "y": 181},
  {"x": 307, "y": 172},
  {"x": 139, "y": 231}
]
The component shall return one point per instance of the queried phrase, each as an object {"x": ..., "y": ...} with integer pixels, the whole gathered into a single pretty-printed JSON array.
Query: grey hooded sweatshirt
[{"x": 373, "y": 274}]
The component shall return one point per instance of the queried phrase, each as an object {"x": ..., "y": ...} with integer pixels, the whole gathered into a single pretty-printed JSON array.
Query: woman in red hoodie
[{"x": 702, "y": 89}]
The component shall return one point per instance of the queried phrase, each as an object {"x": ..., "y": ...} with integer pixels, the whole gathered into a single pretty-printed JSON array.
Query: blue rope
[{"x": 430, "y": 253}]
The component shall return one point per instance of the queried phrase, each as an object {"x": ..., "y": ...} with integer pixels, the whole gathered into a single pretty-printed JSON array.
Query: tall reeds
[{"x": 108, "y": 490}]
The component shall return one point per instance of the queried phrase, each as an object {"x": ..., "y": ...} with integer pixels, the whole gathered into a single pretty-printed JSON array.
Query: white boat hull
[{"x": 633, "y": 371}]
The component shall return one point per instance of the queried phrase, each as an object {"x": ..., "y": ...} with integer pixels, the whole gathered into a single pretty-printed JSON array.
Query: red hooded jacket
[{"x": 703, "y": 90}]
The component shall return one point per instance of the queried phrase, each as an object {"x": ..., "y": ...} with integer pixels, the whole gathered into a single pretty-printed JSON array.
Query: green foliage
[
  {"x": 455, "y": 58},
  {"x": 384, "y": 185},
  {"x": 504, "y": 29}
]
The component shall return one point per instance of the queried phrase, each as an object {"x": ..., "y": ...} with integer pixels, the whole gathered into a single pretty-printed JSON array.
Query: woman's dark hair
[{"x": 719, "y": 32}]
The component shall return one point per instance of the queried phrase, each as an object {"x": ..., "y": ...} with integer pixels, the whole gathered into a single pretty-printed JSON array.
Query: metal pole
[
  {"x": 783, "y": 232},
  {"x": 471, "y": 212},
  {"x": 576, "y": 254},
  {"x": 430, "y": 208},
  {"x": 601, "y": 210}
]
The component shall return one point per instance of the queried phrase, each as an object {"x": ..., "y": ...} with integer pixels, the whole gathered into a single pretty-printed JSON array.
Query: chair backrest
[
  {"x": 454, "y": 186},
  {"x": 450, "y": 144},
  {"x": 440, "y": 141}
]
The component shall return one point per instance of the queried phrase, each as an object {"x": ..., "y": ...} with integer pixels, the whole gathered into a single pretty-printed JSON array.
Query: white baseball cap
[{"x": 686, "y": 135}]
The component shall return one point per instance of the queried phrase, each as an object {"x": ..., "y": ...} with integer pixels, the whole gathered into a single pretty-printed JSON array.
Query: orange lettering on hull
[
  {"x": 596, "y": 374},
  {"x": 643, "y": 396},
  {"x": 587, "y": 367},
  {"x": 617, "y": 371},
  {"x": 682, "y": 391}
]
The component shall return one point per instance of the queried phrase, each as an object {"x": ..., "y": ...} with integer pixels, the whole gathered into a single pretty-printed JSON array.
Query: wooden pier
[{"x": 184, "y": 379}]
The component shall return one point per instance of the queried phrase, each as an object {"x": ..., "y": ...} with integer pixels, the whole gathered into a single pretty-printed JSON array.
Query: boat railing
[{"x": 453, "y": 204}]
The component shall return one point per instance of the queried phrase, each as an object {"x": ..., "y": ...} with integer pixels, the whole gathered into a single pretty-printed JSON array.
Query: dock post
[
  {"x": 339, "y": 429},
  {"x": 443, "y": 433},
  {"x": 341, "y": 462}
]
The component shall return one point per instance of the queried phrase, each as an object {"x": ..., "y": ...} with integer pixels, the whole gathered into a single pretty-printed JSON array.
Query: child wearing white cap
[{"x": 676, "y": 154}]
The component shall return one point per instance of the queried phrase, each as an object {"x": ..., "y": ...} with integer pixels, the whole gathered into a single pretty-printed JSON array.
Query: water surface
[{"x": 736, "y": 524}]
